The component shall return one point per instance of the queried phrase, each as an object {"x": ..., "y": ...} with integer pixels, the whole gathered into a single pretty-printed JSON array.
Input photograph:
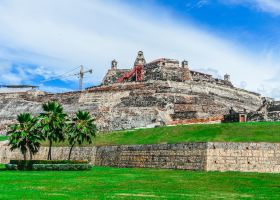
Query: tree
[
  {"x": 52, "y": 122},
  {"x": 24, "y": 135},
  {"x": 81, "y": 129}
]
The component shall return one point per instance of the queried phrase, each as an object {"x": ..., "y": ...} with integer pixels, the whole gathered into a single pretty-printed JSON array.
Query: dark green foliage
[
  {"x": 52, "y": 123},
  {"x": 24, "y": 135},
  {"x": 11, "y": 166},
  {"x": 81, "y": 130},
  {"x": 2, "y": 138},
  {"x": 28, "y": 164},
  {"x": 61, "y": 167},
  {"x": 49, "y": 161}
]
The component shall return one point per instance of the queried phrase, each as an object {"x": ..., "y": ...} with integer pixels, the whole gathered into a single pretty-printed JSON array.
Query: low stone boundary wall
[
  {"x": 245, "y": 157},
  {"x": 208, "y": 156},
  {"x": 190, "y": 156},
  {"x": 58, "y": 153}
]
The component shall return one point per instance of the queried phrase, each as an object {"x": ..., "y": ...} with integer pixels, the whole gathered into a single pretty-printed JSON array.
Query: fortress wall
[
  {"x": 190, "y": 156},
  {"x": 204, "y": 156},
  {"x": 58, "y": 153},
  {"x": 245, "y": 157},
  {"x": 211, "y": 156},
  {"x": 135, "y": 105}
]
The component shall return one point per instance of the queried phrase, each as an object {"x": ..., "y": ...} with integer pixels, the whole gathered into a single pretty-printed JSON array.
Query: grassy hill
[{"x": 229, "y": 132}]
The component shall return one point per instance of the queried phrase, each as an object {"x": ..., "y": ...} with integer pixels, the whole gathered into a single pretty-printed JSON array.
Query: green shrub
[
  {"x": 28, "y": 164},
  {"x": 61, "y": 167},
  {"x": 11, "y": 166}
]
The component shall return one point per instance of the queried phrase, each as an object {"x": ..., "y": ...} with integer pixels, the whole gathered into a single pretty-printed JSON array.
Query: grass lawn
[
  {"x": 2, "y": 138},
  {"x": 114, "y": 183},
  {"x": 230, "y": 132}
]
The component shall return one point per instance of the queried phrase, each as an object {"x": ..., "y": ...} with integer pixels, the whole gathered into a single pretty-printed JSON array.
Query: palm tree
[
  {"x": 52, "y": 122},
  {"x": 80, "y": 130},
  {"x": 24, "y": 135}
]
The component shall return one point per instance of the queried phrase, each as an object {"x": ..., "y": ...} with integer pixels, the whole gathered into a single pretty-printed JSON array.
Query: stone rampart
[
  {"x": 58, "y": 153},
  {"x": 208, "y": 156},
  {"x": 135, "y": 105},
  {"x": 190, "y": 156},
  {"x": 245, "y": 157}
]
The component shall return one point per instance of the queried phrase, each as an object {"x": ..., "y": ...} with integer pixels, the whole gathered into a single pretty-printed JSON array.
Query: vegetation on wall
[{"x": 60, "y": 165}]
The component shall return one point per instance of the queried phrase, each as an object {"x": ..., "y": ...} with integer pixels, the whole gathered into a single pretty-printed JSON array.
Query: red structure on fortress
[{"x": 161, "y": 69}]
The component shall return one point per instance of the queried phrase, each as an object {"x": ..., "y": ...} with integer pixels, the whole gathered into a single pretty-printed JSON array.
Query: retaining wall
[
  {"x": 245, "y": 157},
  {"x": 208, "y": 156},
  {"x": 58, "y": 153},
  {"x": 190, "y": 156}
]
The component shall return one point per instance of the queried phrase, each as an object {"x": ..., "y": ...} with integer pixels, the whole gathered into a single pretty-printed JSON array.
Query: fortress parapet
[{"x": 163, "y": 69}]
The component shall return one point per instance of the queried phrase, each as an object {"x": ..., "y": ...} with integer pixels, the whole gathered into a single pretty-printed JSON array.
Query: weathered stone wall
[
  {"x": 58, "y": 153},
  {"x": 134, "y": 105},
  {"x": 166, "y": 72},
  {"x": 245, "y": 157},
  {"x": 190, "y": 156},
  {"x": 113, "y": 75},
  {"x": 209, "y": 156},
  {"x": 274, "y": 106},
  {"x": 198, "y": 76}
]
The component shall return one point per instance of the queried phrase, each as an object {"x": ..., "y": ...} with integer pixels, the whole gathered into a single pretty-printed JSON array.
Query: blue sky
[{"x": 42, "y": 40}]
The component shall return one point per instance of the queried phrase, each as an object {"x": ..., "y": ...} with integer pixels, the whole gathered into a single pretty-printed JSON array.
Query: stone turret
[
  {"x": 140, "y": 60},
  {"x": 185, "y": 64},
  {"x": 114, "y": 64},
  {"x": 227, "y": 77}
]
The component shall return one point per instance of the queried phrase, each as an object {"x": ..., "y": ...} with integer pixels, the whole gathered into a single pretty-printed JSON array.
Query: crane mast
[{"x": 81, "y": 76}]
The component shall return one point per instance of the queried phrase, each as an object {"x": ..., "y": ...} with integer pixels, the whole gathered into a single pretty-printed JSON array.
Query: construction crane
[
  {"x": 65, "y": 75},
  {"x": 81, "y": 76}
]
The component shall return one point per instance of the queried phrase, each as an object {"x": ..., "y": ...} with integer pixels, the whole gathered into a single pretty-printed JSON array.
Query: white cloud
[
  {"x": 60, "y": 35},
  {"x": 270, "y": 6},
  {"x": 40, "y": 71}
]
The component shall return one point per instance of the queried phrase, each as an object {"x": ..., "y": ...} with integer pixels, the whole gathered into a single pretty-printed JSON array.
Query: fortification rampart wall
[
  {"x": 134, "y": 105},
  {"x": 190, "y": 156},
  {"x": 58, "y": 153},
  {"x": 245, "y": 157},
  {"x": 211, "y": 156}
]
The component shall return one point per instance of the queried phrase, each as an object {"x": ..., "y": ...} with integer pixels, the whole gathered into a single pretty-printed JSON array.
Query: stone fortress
[{"x": 157, "y": 93}]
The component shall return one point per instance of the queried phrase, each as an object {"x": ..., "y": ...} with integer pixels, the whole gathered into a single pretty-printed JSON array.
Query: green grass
[
  {"x": 114, "y": 183},
  {"x": 231, "y": 132},
  {"x": 2, "y": 138}
]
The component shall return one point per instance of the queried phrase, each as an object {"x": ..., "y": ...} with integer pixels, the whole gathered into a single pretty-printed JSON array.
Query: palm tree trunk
[
  {"x": 50, "y": 150},
  {"x": 24, "y": 155},
  {"x": 30, "y": 154},
  {"x": 70, "y": 151}
]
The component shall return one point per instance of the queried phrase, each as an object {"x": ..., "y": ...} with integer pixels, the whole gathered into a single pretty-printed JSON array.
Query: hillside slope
[{"x": 231, "y": 132}]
